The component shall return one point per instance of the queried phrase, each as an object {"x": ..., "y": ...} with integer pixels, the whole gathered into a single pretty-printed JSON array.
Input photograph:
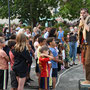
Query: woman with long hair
[{"x": 22, "y": 58}]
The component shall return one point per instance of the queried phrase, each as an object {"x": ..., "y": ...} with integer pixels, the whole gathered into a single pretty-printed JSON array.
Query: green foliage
[
  {"x": 1, "y": 27},
  {"x": 27, "y": 10},
  {"x": 27, "y": 27},
  {"x": 42, "y": 28},
  {"x": 71, "y": 8}
]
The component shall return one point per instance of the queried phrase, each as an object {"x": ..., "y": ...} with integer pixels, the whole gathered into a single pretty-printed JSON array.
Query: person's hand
[
  {"x": 82, "y": 18},
  {"x": 51, "y": 57},
  {"x": 87, "y": 27}
]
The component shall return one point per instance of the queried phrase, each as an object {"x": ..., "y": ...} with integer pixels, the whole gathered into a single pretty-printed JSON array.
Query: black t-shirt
[
  {"x": 21, "y": 61},
  {"x": 72, "y": 37},
  {"x": 6, "y": 49}
]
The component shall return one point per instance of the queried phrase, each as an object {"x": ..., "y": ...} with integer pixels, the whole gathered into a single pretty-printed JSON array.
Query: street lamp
[{"x": 9, "y": 15}]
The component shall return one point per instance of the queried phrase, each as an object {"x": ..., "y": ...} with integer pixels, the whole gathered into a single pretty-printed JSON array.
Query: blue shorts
[
  {"x": 44, "y": 82},
  {"x": 54, "y": 72}
]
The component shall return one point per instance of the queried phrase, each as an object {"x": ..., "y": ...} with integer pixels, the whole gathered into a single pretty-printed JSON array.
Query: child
[
  {"x": 60, "y": 55},
  {"x": 44, "y": 68},
  {"x": 63, "y": 57},
  {"x": 22, "y": 58},
  {"x": 14, "y": 83},
  {"x": 41, "y": 42},
  {"x": 52, "y": 45},
  {"x": 36, "y": 44},
  {"x": 28, "y": 79},
  {"x": 4, "y": 59},
  {"x": 67, "y": 58}
]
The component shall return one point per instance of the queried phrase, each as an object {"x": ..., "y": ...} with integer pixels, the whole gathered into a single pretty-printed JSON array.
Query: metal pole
[
  {"x": 31, "y": 17},
  {"x": 9, "y": 15}
]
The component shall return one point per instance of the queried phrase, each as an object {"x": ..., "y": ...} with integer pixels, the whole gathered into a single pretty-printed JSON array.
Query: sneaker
[
  {"x": 74, "y": 64},
  {"x": 71, "y": 65},
  {"x": 67, "y": 67},
  {"x": 28, "y": 83},
  {"x": 51, "y": 87}
]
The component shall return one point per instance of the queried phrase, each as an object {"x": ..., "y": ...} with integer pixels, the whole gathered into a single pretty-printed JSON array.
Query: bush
[
  {"x": 27, "y": 27},
  {"x": 1, "y": 27},
  {"x": 42, "y": 28}
]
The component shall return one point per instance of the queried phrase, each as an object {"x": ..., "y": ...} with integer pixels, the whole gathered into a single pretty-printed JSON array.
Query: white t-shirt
[
  {"x": 46, "y": 35},
  {"x": 36, "y": 44},
  {"x": 63, "y": 54}
]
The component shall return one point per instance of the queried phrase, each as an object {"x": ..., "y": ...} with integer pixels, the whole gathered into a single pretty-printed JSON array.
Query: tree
[
  {"x": 27, "y": 10},
  {"x": 71, "y": 8}
]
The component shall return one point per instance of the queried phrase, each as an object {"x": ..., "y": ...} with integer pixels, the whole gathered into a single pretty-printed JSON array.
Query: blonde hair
[
  {"x": 34, "y": 29},
  {"x": 20, "y": 42}
]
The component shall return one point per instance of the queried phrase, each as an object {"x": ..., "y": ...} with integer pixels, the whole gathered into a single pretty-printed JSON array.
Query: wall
[{"x": 3, "y": 21}]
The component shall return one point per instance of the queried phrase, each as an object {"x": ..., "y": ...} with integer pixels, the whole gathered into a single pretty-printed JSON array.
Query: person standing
[
  {"x": 22, "y": 58},
  {"x": 53, "y": 50},
  {"x": 41, "y": 42},
  {"x": 86, "y": 34},
  {"x": 4, "y": 59},
  {"x": 61, "y": 35},
  {"x": 14, "y": 83},
  {"x": 44, "y": 68},
  {"x": 47, "y": 32},
  {"x": 73, "y": 44}
]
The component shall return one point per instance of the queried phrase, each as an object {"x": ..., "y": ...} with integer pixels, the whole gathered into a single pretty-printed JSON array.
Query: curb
[{"x": 66, "y": 72}]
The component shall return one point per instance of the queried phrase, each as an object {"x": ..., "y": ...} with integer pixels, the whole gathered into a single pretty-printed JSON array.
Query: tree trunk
[{"x": 34, "y": 22}]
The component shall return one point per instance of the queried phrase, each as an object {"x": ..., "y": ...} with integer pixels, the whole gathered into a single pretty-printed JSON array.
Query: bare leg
[
  {"x": 13, "y": 88},
  {"x": 78, "y": 58},
  {"x": 85, "y": 82},
  {"x": 54, "y": 82},
  {"x": 21, "y": 83},
  {"x": 38, "y": 75}
]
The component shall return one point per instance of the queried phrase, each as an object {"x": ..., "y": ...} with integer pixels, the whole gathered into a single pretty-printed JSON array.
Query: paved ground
[
  {"x": 67, "y": 79},
  {"x": 33, "y": 84}
]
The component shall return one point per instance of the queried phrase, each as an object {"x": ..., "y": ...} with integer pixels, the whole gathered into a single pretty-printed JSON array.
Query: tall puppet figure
[{"x": 86, "y": 36}]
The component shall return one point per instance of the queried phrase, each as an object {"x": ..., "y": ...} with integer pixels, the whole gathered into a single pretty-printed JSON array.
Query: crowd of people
[{"x": 51, "y": 50}]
